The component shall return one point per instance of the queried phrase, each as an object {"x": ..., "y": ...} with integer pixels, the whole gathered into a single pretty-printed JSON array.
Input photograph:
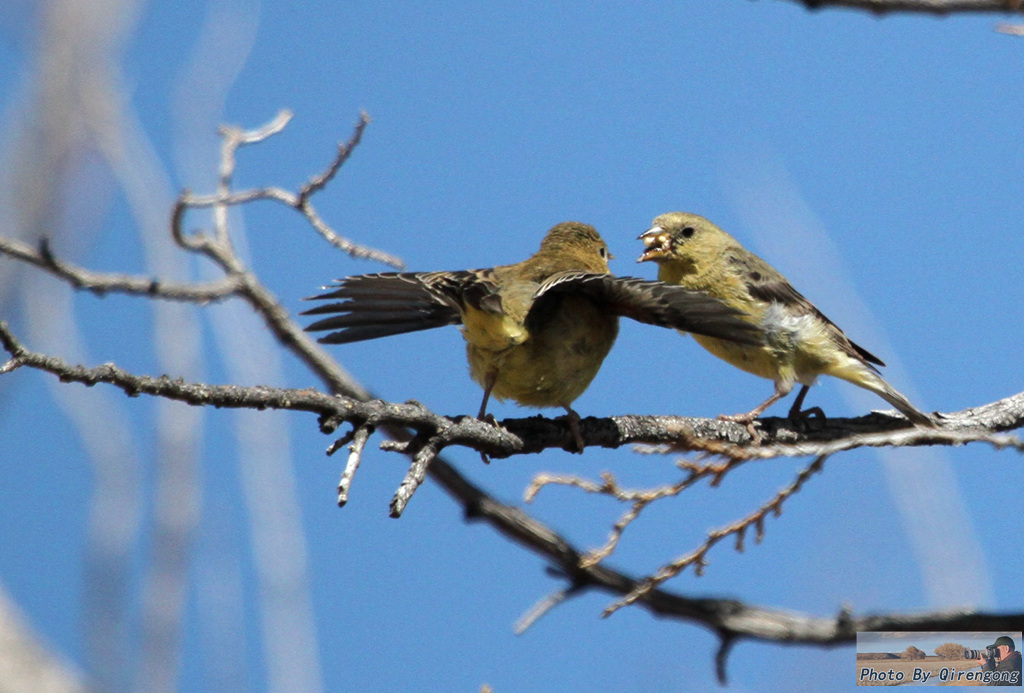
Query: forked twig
[{"x": 738, "y": 529}]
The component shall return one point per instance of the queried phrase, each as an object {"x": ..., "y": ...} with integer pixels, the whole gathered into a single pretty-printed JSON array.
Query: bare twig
[
  {"x": 725, "y": 645},
  {"x": 101, "y": 283},
  {"x": 534, "y": 613},
  {"x": 638, "y": 499},
  {"x": 300, "y": 201},
  {"x": 320, "y": 181},
  {"x": 414, "y": 477},
  {"x": 697, "y": 558},
  {"x": 359, "y": 438}
]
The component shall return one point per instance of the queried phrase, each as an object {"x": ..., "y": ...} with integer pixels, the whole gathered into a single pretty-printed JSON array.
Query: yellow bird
[
  {"x": 800, "y": 342},
  {"x": 537, "y": 331}
]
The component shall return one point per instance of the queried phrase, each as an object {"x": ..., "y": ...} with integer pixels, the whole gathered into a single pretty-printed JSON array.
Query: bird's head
[
  {"x": 682, "y": 237},
  {"x": 579, "y": 243}
]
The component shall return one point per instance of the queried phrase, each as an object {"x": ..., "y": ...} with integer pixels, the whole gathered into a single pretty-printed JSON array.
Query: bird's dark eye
[
  {"x": 604, "y": 253},
  {"x": 688, "y": 231}
]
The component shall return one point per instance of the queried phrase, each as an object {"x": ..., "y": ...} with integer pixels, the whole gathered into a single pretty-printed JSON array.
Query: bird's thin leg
[
  {"x": 574, "y": 426},
  {"x": 492, "y": 378},
  {"x": 748, "y": 418},
  {"x": 751, "y": 415},
  {"x": 797, "y": 412},
  {"x": 798, "y": 403}
]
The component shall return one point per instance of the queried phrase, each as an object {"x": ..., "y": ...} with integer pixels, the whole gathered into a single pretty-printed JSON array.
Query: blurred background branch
[{"x": 939, "y": 7}]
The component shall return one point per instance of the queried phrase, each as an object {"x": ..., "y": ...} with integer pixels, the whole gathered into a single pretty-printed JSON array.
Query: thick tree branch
[
  {"x": 937, "y": 7},
  {"x": 535, "y": 434}
]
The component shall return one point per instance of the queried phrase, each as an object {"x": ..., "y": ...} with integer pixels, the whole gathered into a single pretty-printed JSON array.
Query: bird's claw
[{"x": 748, "y": 421}]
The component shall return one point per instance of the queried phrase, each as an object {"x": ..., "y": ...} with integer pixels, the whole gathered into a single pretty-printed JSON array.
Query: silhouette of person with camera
[{"x": 1004, "y": 662}]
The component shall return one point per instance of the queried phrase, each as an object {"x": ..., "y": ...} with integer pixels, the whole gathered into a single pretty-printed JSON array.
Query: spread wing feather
[
  {"x": 658, "y": 303},
  {"x": 368, "y": 306}
]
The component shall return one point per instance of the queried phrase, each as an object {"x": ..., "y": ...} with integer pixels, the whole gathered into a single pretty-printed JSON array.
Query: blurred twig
[
  {"x": 939, "y": 7},
  {"x": 56, "y": 182},
  {"x": 25, "y": 664}
]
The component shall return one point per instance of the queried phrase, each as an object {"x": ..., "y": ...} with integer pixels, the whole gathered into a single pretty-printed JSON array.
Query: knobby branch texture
[
  {"x": 423, "y": 435},
  {"x": 537, "y": 433}
]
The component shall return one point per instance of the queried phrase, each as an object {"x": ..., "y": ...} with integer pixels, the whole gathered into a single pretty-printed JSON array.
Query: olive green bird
[
  {"x": 537, "y": 331},
  {"x": 800, "y": 342}
]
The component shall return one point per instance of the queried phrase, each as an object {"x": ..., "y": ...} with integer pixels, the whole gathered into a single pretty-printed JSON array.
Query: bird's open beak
[{"x": 657, "y": 244}]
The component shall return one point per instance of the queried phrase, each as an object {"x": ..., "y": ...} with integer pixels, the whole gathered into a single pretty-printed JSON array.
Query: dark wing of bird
[
  {"x": 658, "y": 303},
  {"x": 368, "y": 306},
  {"x": 776, "y": 289},
  {"x": 479, "y": 289}
]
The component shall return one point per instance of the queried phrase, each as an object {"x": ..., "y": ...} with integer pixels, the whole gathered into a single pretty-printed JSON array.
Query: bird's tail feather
[{"x": 898, "y": 400}]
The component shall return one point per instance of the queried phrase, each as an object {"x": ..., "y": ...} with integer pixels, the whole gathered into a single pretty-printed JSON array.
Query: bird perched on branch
[
  {"x": 800, "y": 342},
  {"x": 537, "y": 331}
]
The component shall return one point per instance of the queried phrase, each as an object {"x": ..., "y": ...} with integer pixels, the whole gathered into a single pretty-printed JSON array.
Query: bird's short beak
[{"x": 656, "y": 244}]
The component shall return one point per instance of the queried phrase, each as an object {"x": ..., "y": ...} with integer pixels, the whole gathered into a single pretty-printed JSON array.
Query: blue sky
[{"x": 874, "y": 161}]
